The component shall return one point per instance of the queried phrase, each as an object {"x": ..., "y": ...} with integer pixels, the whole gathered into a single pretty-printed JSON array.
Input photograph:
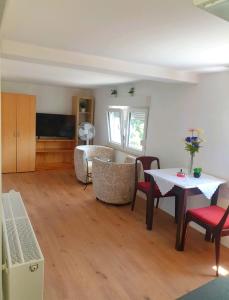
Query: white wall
[
  {"x": 0, "y": 186},
  {"x": 173, "y": 109},
  {"x": 2, "y": 9},
  {"x": 163, "y": 100},
  {"x": 50, "y": 98}
]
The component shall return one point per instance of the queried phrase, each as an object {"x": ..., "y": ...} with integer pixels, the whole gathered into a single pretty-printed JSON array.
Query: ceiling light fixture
[
  {"x": 114, "y": 92},
  {"x": 131, "y": 91},
  {"x": 219, "y": 8},
  {"x": 207, "y": 3}
]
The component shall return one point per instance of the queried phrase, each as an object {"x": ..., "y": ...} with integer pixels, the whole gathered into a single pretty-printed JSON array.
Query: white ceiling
[
  {"x": 168, "y": 34},
  {"x": 34, "y": 72}
]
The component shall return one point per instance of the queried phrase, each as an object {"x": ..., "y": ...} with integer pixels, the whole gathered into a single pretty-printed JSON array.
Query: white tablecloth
[{"x": 166, "y": 179}]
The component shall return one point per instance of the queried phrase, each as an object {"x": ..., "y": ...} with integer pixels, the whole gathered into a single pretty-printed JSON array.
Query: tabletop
[{"x": 167, "y": 178}]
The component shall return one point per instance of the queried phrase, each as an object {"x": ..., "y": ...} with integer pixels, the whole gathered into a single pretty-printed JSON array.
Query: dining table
[{"x": 181, "y": 187}]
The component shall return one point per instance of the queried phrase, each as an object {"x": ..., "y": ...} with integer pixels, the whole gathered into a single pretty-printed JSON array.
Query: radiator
[{"x": 23, "y": 262}]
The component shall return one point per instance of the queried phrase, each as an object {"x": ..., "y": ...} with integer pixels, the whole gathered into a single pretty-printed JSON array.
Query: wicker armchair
[
  {"x": 114, "y": 182},
  {"x": 83, "y": 156}
]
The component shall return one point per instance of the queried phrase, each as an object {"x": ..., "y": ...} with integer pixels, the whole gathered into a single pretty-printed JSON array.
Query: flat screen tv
[{"x": 56, "y": 126}]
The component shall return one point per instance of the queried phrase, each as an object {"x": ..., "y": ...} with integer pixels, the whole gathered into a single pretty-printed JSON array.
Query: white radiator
[{"x": 23, "y": 262}]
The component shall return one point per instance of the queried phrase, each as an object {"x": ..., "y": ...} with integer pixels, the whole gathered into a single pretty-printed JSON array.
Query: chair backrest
[
  {"x": 91, "y": 151},
  {"x": 146, "y": 162},
  {"x": 113, "y": 182},
  {"x": 223, "y": 220}
]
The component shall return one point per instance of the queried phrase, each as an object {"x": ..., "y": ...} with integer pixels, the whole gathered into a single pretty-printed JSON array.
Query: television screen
[{"x": 52, "y": 125}]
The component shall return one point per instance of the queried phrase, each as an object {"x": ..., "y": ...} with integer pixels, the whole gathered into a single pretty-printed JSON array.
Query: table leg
[
  {"x": 150, "y": 205},
  {"x": 182, "y": 204},
  {"x": 147, "y": 209},
  {"x": 214, "y": 198},
  {"x": 176, "y": 208}
]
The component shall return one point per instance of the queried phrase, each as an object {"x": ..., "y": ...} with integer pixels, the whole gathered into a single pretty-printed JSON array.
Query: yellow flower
[{"x": 199, "y": 131}]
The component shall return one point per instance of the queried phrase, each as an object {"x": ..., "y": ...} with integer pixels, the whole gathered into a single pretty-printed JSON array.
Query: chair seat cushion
[
  {"x": 210, "y": 215},
  {"x": 144, "y": 186}
]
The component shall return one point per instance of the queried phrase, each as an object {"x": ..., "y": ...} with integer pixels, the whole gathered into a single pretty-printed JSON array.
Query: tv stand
[{"x": 54, "y": 154}]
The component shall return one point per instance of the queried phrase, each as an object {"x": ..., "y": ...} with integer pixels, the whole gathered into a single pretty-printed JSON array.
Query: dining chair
[
  {"x": 144, "y": 186},
  {"x": 215, "y": 220}
]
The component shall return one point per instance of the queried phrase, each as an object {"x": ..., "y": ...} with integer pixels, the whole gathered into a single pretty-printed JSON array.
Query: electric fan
[{"x": 86, "y": 132}]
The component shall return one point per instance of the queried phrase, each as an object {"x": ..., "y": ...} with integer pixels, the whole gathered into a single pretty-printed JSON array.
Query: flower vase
[{"x": 190, "y": 165}]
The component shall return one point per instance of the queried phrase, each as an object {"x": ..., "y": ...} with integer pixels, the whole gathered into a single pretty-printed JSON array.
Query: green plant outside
[{"x": 136, "y": 133}]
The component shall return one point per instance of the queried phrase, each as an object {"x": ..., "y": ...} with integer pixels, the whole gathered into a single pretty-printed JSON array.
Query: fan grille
[{"x": 86, "y": 131}]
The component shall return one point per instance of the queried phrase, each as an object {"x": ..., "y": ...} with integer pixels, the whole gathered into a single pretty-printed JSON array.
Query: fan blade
[
  {"x": 81, "y": 131},
  {"x": 87, "y": 126},
  {"x": 90, "y": 135}
]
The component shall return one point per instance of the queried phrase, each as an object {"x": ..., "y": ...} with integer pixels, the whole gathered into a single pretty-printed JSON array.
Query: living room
[{"x": 163, "y": 98}]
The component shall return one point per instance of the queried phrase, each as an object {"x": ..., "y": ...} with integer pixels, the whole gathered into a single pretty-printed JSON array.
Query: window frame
[{"x": 125, "y": 114}]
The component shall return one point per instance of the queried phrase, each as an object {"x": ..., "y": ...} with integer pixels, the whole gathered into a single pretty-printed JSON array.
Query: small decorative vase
[
  {"x": 196, "y": 175},
  {"x": 191, "y": 164}
]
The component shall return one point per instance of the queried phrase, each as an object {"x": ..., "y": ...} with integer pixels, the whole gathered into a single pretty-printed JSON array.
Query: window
[
  {"x": 115, "y": 126},
  {"x": 127, "y": 128},
  {"x": 136, "y": 130}
]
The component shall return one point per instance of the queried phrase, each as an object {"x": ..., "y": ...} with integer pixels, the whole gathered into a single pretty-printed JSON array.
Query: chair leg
[
  {"x": 134, "y": 198},
  {"x": 208, "y": 235},
  {"x": 213, "y": 238},
  {"x": 217, "y": 252},
  {"x": 158, "y": 199}
]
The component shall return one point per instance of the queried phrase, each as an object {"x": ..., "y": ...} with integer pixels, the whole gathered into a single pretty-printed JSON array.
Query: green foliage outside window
[{"x": 136, "y": 133}]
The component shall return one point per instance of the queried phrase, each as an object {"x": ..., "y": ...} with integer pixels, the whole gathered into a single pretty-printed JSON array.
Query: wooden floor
[{"x": 100, "y": 252}]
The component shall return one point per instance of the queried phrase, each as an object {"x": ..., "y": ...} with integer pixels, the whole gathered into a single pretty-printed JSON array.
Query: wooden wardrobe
[{"x": 18, "y": 132}]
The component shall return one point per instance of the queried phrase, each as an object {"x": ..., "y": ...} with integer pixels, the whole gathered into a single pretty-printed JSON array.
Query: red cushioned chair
[
  {"x": 144, "y": 186},
  {"x": 215, "y": 220}
]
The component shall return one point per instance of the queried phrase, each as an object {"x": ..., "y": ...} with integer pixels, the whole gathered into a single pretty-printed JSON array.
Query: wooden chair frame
[
  {"x": 215, "y": 231},
  {"x": 146, "y": 162}
]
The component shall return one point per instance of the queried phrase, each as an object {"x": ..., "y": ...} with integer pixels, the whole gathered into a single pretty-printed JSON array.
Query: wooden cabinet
[
  {"x": 54, "y": 154},
  {"x": 9, "y": 133},
  {"x": 83, "y": 109},
  {"x": 18, "y": 132}
]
